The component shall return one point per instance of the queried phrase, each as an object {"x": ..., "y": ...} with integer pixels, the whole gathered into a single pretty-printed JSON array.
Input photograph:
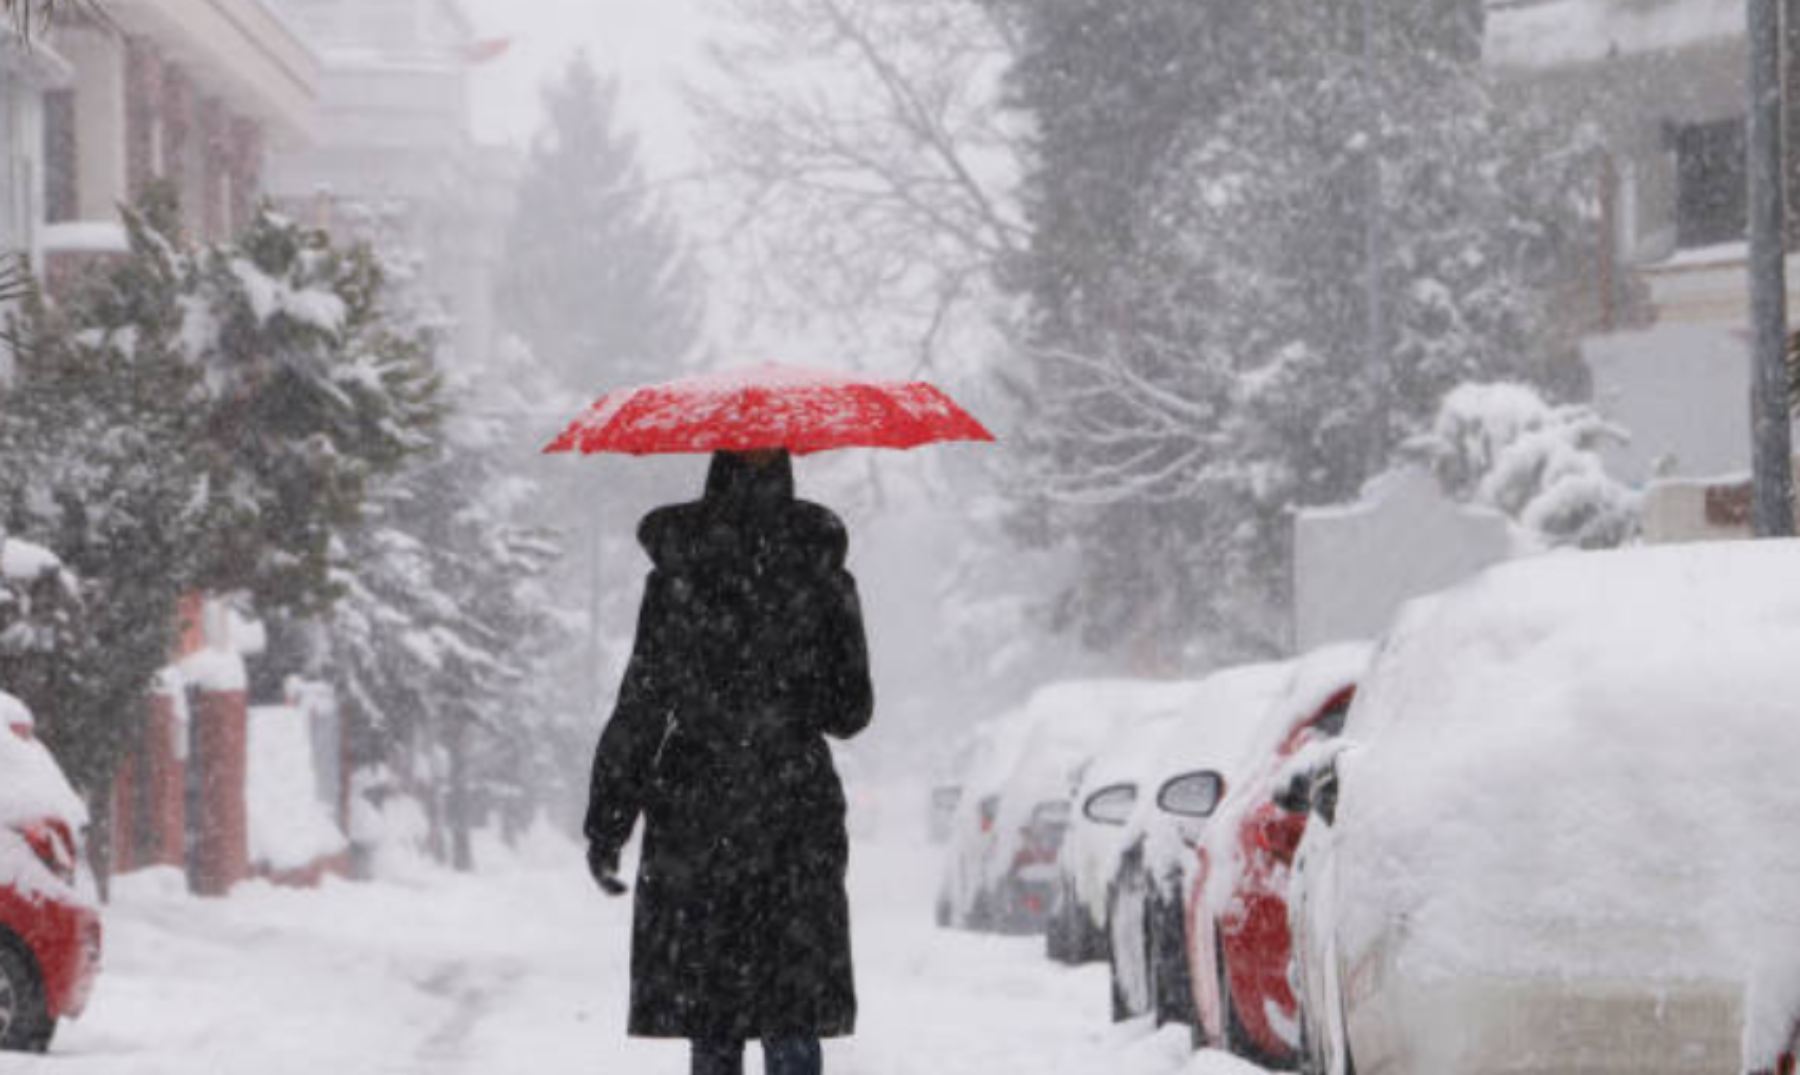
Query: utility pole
[
  {"x": 1771, "y": 433},
  {"x": 1373, "y": 226}
]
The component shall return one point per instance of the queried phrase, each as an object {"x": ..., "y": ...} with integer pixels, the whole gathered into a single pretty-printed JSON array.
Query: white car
[
  {"x": 986, "y": 762},
  {"x": 1192, "y": 762},
  {"x": 1097, "y": 840},
  {"x": 1017, "y": 799},
  {"x": 1557, "y": 834}
]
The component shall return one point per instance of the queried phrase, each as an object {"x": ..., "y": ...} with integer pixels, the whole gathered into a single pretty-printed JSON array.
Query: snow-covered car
[
  {"x": 1556, "y": 834},
  {"x": 1091, "y": 850},
  {"x": 49, "y": 926},
  {"x": 1018, "y": 797},
  {"x": 1193, "y": 762},
  {"x": 1238, "y": 950},
  {"x": 987, "y": 760},
  {"x": 940, "y": 813}
]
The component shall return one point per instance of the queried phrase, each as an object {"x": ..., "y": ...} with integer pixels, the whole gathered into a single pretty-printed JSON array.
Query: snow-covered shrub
[{"x": 1503, "y": 446}]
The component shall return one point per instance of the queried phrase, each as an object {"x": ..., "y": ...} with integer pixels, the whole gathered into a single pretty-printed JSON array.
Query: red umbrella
[{"x": 768, "y": 406}]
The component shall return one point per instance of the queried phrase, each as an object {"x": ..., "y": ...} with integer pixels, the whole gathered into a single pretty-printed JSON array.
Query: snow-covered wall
[
  {"x": 1551, "y": 33},
  {"x": 1683, "y": 392},
  {"x": 290, "y": 828},
  {"x": 1355, "y": 566}
]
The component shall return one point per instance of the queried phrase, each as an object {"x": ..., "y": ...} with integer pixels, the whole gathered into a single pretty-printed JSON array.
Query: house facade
[
  {"x": 398, "y": 143},
  {"x": 28, "y": 71},
  {"x": 1662, "y": 84},
  {"x": 197, "y": 95},
  {"x": 194, "y": 93}
]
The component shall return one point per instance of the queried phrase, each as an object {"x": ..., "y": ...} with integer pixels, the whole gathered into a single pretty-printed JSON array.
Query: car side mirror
[
  {"x": 1192, "y": 795},
  {"x": 1111, "y": 805}
]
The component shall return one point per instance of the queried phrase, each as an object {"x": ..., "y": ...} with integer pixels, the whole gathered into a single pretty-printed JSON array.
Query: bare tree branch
[{"x": 866, "y": 141}]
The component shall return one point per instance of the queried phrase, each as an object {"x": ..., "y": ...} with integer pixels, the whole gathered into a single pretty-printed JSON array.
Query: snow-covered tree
[
  {"x": 190, "y": 419},
  {"x": 1502, "y": 446},
  {"x": 442, "y": 641},
  {"x": 878, "y": 214},
  {"x": 102, "y": 457},
  {"x": 313, "y": 394},
  {"x": 1209, "y": 348},
  {"x": 598, "y": 279}
]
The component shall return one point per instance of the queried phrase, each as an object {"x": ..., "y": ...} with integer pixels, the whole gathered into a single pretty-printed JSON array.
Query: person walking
[{"x": 749, "y": 652}]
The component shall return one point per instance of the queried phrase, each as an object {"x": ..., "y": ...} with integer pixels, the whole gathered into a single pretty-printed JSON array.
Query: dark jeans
[{"x": 782, "y": 1056}]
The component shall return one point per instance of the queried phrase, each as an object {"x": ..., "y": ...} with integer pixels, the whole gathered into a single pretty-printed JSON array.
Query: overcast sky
[{"x": 650, "y": 44}]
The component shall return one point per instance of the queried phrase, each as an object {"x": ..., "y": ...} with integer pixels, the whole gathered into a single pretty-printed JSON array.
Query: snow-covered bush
[{"x": 1502, "y": 446}]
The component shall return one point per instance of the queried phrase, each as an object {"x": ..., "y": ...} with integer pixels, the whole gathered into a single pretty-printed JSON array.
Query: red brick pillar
[
  {"x": 165, "y": 776},
  {"x": 145, "y": 135},
  {"x": 221, "y": 854}
]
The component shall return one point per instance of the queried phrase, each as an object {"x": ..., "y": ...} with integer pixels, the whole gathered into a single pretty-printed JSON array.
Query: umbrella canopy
[{"x": 767, "y": 407}]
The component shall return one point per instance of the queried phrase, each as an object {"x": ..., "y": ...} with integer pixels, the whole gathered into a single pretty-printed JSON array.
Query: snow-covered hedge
[{"x": 290, "y": 829}]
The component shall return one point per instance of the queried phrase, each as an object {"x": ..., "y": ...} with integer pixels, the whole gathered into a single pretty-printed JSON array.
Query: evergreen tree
[
  {"x": 441, "y": 644},
  {"x": 104, "y": 461},
  {"x": 598, "y": 280},
  {"x": 194, "y": 420},
  {"x": 312, "y": 396}
]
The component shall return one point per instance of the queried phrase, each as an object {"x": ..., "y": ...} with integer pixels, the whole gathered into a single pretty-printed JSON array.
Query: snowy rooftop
[{"x": 1555, "y": 33}]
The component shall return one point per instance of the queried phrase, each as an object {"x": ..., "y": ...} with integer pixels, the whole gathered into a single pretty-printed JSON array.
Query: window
[
  {"x": 1331, "y": 722},
  {"x": 62, "y": 191},
  {"x": 1712, "y": 204}
]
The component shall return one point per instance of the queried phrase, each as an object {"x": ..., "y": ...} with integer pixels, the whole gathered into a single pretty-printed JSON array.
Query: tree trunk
[
  {"x": 100, "y": 840},
  {"x": 462, "y": 856}
]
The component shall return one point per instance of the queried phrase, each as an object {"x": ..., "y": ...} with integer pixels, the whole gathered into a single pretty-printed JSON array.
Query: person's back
[{"x": 749, "y": 651}]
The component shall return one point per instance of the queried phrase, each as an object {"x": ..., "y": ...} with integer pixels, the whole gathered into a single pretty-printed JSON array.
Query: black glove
[{"x": 604, "y": 865}]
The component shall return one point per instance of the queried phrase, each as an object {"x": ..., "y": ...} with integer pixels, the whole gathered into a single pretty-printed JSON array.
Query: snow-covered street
[{"x": 523, "y": 969}]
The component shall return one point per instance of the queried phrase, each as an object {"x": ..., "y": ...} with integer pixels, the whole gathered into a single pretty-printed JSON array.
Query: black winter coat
[{"x": 749, "y": 651}]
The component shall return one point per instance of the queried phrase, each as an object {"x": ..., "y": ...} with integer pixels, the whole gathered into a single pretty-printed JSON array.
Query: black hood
[{"x": 733, "y": 478}]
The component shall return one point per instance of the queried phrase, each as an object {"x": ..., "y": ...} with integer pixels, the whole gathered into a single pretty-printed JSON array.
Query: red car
[
  {"x": 1237, "y": 918},
  {"x": 49, "y": 929}
]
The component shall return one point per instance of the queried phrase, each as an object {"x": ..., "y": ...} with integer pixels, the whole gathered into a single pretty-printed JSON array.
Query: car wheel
[
  {"x": 981, "y": 912},
  {"x": 1170, "y": 991},
  {"x": 25, "y": 1023},
  {"x": 1095, "y": 947},
  {"x": 1121, "y": 1008},
  {"x": 1059, "y": 943},
  {"x": 1237, "y": 1039}
]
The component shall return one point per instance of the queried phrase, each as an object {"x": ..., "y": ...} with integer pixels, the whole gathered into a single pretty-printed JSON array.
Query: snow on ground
[{"x": 523, "y": 968}]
